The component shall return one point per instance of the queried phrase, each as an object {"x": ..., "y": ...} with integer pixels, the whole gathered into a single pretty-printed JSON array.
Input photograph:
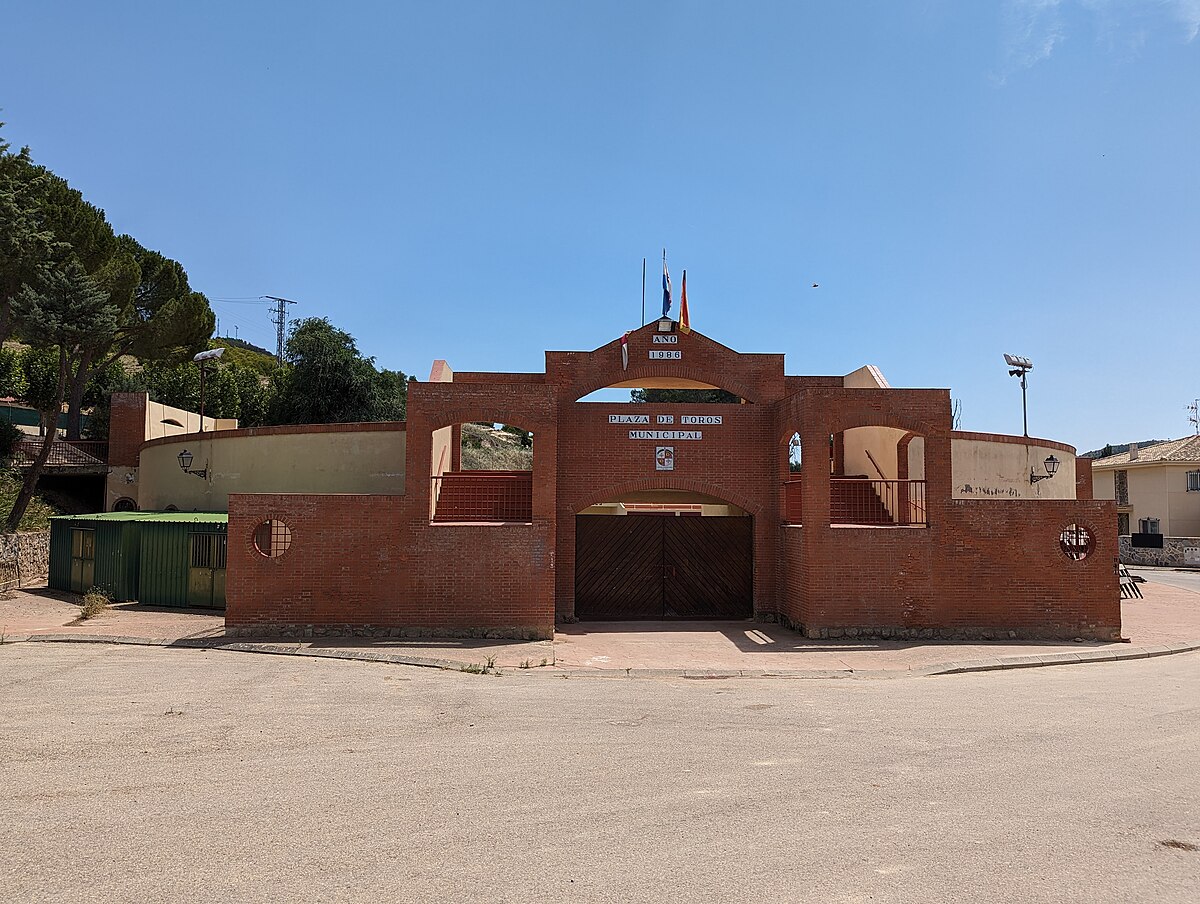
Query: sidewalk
[{"x": 1168, "y": 618}]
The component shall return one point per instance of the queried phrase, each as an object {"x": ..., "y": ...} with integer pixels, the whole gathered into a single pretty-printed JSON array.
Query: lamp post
[
  {"x": 1051, "y": 469},
  {"x": 211, "y": 355},
  {"x": 1020, "y": 367},
  {"x": 185, "y": 464}
]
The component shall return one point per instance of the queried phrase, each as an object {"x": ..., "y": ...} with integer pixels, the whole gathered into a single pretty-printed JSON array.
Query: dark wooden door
[
  {"x": 649, "y": 566},
  {"x": 709, "y": 567}
]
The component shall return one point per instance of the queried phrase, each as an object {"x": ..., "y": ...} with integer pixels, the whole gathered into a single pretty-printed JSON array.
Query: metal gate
[
  {"x": 651, "y": 566},
  {"x": 206, "y": 570}
]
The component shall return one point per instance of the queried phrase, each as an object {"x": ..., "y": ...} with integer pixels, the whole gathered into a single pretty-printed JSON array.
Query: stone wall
[
  {"x": 1176, "y": 552},
  {"x": 26, "y": 557}
]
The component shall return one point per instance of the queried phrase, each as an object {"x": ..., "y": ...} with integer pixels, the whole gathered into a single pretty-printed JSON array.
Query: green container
[
  {"x": 157, "y": 558},
  {"x": 100, "y": 551},
  {"x": 183, "y": 559}
]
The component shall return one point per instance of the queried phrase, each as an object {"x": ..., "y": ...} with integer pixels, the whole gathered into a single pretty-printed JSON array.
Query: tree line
[{"x": 97, "y": 312}]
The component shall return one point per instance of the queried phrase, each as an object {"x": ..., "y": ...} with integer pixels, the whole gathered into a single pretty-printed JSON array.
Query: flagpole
[{"x": 643, "y": 291}]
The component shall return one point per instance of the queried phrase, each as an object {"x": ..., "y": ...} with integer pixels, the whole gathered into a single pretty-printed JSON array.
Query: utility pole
[{"x": 279, "y": 318}]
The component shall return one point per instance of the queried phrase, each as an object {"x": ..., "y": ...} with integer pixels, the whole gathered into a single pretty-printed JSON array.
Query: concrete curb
[{"x": 451, "y": 665}]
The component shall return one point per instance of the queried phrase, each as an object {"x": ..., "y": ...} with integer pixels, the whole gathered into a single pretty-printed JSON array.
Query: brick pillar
[
  {"x": 456, "y": 447},
  {"x": 1083, "y": 478}
]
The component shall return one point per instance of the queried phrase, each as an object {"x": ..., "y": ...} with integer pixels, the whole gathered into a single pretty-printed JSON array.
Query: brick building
[{"x": 838, "y": 505}]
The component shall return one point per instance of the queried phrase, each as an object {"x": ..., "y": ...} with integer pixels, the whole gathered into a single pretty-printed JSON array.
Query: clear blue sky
[{"x": 480, "y": 181}]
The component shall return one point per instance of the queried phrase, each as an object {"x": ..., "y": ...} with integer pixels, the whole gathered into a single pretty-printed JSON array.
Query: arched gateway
[{"x": 889, "y": 523}]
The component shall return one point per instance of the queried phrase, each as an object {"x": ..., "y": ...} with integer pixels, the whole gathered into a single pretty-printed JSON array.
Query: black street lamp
[
  {"x": 185, "y": 463},
  {"x": 1051, "y": 469}
]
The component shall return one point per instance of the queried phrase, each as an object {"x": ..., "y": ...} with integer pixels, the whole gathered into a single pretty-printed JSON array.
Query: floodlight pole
[
  {"x": 1025, "y": 408},
  {"x": 1021, "y": 367},
  {"x": 201, "y": 396}
]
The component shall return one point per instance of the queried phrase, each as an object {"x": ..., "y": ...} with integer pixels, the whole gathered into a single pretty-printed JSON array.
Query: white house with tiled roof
[{"x": 1157, "y": 488}]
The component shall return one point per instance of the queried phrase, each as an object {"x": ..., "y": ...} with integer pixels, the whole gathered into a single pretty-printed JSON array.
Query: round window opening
[
  {"x": 272, "y": 538},
  {"x": 1077, "y": 541}
]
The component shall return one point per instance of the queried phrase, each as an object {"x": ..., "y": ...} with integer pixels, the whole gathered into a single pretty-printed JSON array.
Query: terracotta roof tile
[{"x": 1184, "y": 451}]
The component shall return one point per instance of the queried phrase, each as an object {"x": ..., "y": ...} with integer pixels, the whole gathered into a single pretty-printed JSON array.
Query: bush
[
  {"x": 94, "y": 603},
  {"x": 9, "y": 436}
]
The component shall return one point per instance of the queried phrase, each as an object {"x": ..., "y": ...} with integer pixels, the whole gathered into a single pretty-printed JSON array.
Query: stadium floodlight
[
  {"x": 203, "y": 358},
  {"x": 1020, "y": 367}
]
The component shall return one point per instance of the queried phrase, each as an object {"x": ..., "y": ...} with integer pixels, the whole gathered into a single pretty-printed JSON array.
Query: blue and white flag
[{"x": 666, "y": 288}]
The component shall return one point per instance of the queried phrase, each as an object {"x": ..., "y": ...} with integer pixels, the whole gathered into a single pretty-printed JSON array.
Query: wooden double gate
[{"x": 660, "y": 566}]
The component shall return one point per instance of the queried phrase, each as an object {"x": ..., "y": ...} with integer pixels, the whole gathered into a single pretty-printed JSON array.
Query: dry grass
[
  {"x": 487, "y": 449},
  {"x": 94, "y": 603}
]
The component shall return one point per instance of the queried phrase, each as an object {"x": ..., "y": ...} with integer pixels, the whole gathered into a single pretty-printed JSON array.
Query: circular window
[
  {"x": 272, "y": 538},
  {"x": 1077, "y": 541},
  {"x": 124, "y": 504}
]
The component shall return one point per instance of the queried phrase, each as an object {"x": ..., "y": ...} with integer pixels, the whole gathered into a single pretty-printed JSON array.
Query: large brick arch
[
  {"x": 708, "y": 488},
  {"x": 696, "y": 374},
  {"x": 477, "y": 415}
]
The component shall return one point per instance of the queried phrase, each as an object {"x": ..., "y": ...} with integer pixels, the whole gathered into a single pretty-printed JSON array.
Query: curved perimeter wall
[
  {"x": 313, "y": 458},
  {"x": 996, "y": 466}
]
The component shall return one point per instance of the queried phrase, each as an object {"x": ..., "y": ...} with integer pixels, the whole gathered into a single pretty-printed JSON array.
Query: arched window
[{"x": 482, "y": 471}]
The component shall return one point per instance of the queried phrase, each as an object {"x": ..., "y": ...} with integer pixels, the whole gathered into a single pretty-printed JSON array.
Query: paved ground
[
  {"x": 1186, "y": 579},
  {"x": 146, "y": 774},
  {"x": 1168, "y": 615}
]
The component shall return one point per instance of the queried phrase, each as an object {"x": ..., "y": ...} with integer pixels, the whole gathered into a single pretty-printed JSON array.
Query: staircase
[
  {"x": 484, "y": 496},
  {"x": 854, "y": 501}
]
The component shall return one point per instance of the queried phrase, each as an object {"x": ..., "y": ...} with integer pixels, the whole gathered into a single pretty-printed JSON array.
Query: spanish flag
[{"x": 685, "y": 325}]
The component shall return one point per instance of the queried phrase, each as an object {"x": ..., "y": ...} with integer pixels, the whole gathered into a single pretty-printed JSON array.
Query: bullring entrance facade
[{"x": 835, "y": 504}]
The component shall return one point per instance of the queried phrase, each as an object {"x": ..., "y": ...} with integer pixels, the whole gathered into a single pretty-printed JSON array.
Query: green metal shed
[
  {"x": 157, "y": 558},
  {"x": 183, "y": 559},
  {"x": 99, "y": 551}
]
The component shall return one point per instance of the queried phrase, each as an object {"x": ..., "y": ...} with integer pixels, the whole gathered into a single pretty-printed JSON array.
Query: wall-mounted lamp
[
  {"x": 1051, "y": 470},
  {"x": 666, "y": 325},
  {"x": 185, "y": 463}
]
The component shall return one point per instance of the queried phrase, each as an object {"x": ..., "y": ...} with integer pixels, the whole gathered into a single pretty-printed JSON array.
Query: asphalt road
[
  {"x": 1188, "y": 580},
  {"x": 141, "y": 774}
]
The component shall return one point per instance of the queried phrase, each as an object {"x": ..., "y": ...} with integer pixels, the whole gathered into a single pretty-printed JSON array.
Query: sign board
[
  {"x": 665, "y": 354},
  {"x": 666, "y": 434},
  {"x": 659, "y": 339}
]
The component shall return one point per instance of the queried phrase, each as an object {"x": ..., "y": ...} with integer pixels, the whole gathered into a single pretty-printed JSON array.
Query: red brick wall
[
  {"x": 982, "y": 566},
  {"x": 1083, "y": 478},
  {"x": 126, "y": 428},
  {"x": 354, "y": 564}
]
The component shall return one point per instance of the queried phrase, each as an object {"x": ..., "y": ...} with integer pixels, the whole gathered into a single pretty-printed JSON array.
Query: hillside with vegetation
[
  {"x": 92, "y": 312},
  {"x": 488, "y": 448}
]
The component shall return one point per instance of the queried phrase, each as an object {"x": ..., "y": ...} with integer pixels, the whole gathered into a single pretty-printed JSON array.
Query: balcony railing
[
  {"x": 483, "y": 496},
  {"x": 859, "y": 500},
  {"x": 64, "y": 453}
]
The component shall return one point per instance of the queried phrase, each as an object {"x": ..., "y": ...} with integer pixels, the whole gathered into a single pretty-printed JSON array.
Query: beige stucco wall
[
  {"x": 321, "y": 462},
  {"x": 1104, "y": 485},
  {"x": 866, "y": 377},
  {"x": 1000, "y": 470},
  {"x": 158, "y": 415},
  {"x": 880, "y": 442},
  {"x": 1155, "y": 491}
]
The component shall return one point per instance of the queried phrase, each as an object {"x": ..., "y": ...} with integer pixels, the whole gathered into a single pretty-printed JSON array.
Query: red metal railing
[
  {"x": 859, "y": 500},
  {"x": 64, "y": 453},
  {"x": 483, "y": 496}
]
